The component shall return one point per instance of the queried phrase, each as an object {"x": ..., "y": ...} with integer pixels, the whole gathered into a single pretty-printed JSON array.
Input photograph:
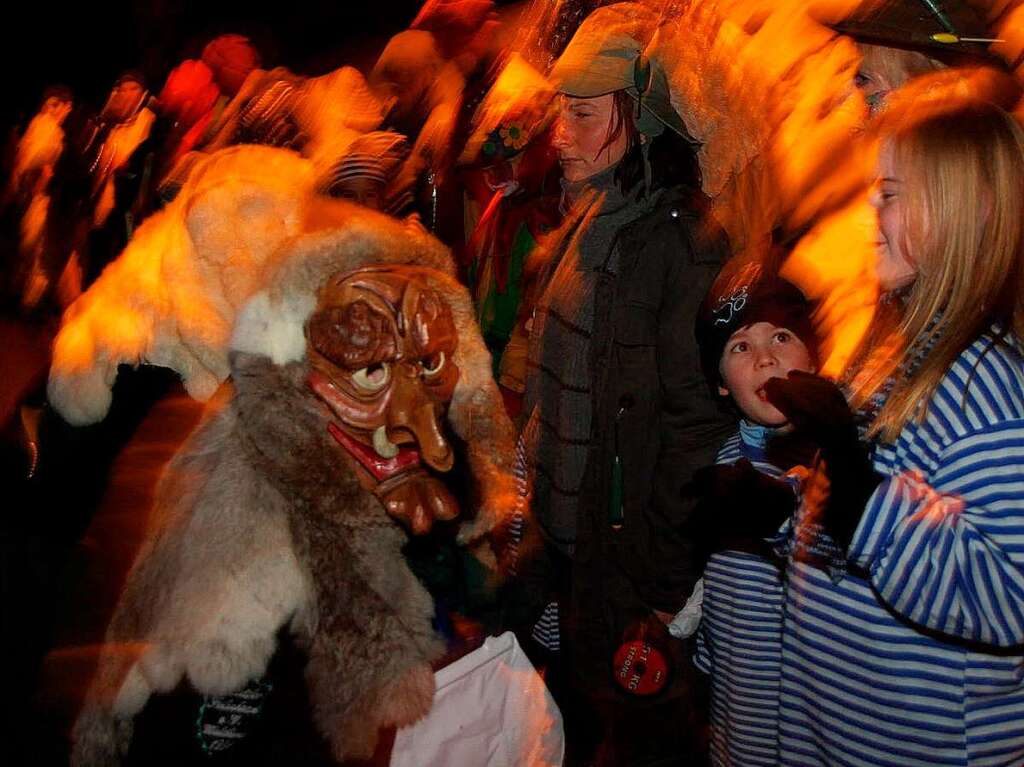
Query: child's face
[
  {"x": 362, "y": 191},
  {"x": 752, "y": 355}
]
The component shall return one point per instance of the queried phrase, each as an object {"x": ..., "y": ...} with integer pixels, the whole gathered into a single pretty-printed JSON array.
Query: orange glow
[
  {"x": 40, "y": 146},
  {"x": 519, "y": 94},
  {"x": 1009, "y": 28},
  {"x": 768, "y": 90},
  {"x": 170, "y": 298},
  {"x": 834, "y": 264}
]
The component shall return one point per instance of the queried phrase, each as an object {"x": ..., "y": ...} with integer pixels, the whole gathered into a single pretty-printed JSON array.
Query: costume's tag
[{"x": 224, "y": 720}]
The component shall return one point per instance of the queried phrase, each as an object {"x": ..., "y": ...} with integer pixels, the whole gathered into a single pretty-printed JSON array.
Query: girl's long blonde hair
[{"x": 962, "y": 184}]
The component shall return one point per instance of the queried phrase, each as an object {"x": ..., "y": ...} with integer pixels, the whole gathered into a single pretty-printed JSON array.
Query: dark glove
[
  {"x": 738, "y": 508},
  {"x": 817, "y": 408}
]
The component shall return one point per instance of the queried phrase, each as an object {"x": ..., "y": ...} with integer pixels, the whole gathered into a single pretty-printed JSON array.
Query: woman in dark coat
[{"x": 618, "y": 415}]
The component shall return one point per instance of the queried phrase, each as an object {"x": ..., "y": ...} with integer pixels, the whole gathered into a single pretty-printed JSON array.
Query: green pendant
[{"x": 615, "y": 514}]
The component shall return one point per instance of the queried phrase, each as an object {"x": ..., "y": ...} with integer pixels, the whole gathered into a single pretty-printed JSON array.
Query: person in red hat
[{"x": 231, "y": 58}]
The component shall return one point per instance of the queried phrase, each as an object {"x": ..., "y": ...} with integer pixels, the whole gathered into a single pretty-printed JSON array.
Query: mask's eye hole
[
  {"x": 433, "y": 364},
  {"x": 373, "y": 378}
]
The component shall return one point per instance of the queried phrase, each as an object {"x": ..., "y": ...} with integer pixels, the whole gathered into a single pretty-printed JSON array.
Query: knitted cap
[
  {"x": 376, "y": 156},
  {"x": 743, "y": 294}
]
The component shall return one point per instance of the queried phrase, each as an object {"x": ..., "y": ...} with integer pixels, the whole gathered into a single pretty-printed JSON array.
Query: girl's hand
[{"x": 817, "y": 408}]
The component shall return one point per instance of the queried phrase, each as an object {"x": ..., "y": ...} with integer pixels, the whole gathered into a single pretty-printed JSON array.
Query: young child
[
  {"x": 751, "y": 327},
  {"x": 368, "y": 172}
]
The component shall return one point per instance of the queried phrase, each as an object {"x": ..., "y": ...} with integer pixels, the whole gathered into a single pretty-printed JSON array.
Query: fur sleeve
[{"x": 215, "y": 580}]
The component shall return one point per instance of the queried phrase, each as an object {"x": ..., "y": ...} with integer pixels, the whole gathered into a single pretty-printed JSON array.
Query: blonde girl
[{"x": 915, "y": 656}]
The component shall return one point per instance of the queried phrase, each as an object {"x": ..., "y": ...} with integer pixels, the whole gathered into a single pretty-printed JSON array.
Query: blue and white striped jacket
[
  {"x": 921, "y": 660},
  {"x": 739, "y": 640}
]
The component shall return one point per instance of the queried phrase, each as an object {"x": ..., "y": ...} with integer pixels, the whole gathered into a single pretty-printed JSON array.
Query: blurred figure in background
[
  {"x": 186, "y": 102},
  {"x": 511, "y": 199},
  {"x": 27, "y": 273},
  {"x": 41, "y": 145},
  {"x": 121, "y": 171},
  {"x": 885, "y": 68},
  {"x": 231, "y": 58},
  {"x": 421, "y": 94},
  {"x": 368, "y": 173}
]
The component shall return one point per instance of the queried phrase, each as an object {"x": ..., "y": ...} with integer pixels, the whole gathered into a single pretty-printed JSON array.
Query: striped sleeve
[
  {"x": 948, "y": 553},
  {"x": 729, "y": 453}
]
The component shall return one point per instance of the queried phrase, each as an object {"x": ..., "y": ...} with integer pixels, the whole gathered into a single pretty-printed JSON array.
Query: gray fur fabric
[
  {"x": 257, "y": 523},
  {"x": 230, "y": 561},
  {"x": 372, "y": 641}
]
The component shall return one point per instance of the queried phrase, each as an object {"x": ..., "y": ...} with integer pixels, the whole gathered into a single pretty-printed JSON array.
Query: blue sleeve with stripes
[{"x": 947, "y": 551}]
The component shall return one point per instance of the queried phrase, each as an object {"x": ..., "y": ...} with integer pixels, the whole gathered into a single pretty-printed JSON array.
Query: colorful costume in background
[{"x": 513, "y": 215}]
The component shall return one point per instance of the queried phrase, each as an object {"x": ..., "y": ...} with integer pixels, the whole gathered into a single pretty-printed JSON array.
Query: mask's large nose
[{"x": 413, "y": 419}]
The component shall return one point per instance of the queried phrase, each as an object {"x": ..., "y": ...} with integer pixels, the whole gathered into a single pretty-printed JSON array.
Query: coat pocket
[{"x": 638, "y": 327}]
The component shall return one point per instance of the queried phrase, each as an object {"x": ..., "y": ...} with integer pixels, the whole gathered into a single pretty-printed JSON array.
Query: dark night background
[
  {"x": 43, "y": 554},
  {"x": 86, "y": 45}
]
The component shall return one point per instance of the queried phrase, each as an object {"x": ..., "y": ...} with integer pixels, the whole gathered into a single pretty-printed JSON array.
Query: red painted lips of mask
[{"x": 381, "y": 468}]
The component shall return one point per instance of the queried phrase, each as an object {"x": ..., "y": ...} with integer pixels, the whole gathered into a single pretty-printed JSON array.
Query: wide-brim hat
[
  {"x": 607, "y": 54},
  {"x": 934, "y": 27}
]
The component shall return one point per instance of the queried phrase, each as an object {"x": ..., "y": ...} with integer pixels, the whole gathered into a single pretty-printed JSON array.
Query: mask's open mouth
[
  {"x": 415, "y": 428},
  {"x": 379, "y": 467},
  {"x": 396, "y": 473}
]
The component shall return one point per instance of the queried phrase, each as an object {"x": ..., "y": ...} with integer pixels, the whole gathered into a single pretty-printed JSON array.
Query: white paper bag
[{"x": 491, "y": 709}]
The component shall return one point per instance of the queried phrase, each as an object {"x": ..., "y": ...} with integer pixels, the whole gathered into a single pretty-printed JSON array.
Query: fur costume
[
  {"x": 171, "y": 297},
  {"x": 260, "y": 520}
]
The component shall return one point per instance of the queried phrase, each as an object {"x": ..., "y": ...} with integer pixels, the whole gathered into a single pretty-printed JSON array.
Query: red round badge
[{"x": 640, "y": 668}]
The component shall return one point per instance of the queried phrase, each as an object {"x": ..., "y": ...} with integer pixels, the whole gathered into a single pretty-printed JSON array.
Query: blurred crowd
[{"x": 634, "y": 192}]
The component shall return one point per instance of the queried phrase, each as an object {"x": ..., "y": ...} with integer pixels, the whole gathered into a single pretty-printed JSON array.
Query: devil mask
[{"x": 381, "y": 346}]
